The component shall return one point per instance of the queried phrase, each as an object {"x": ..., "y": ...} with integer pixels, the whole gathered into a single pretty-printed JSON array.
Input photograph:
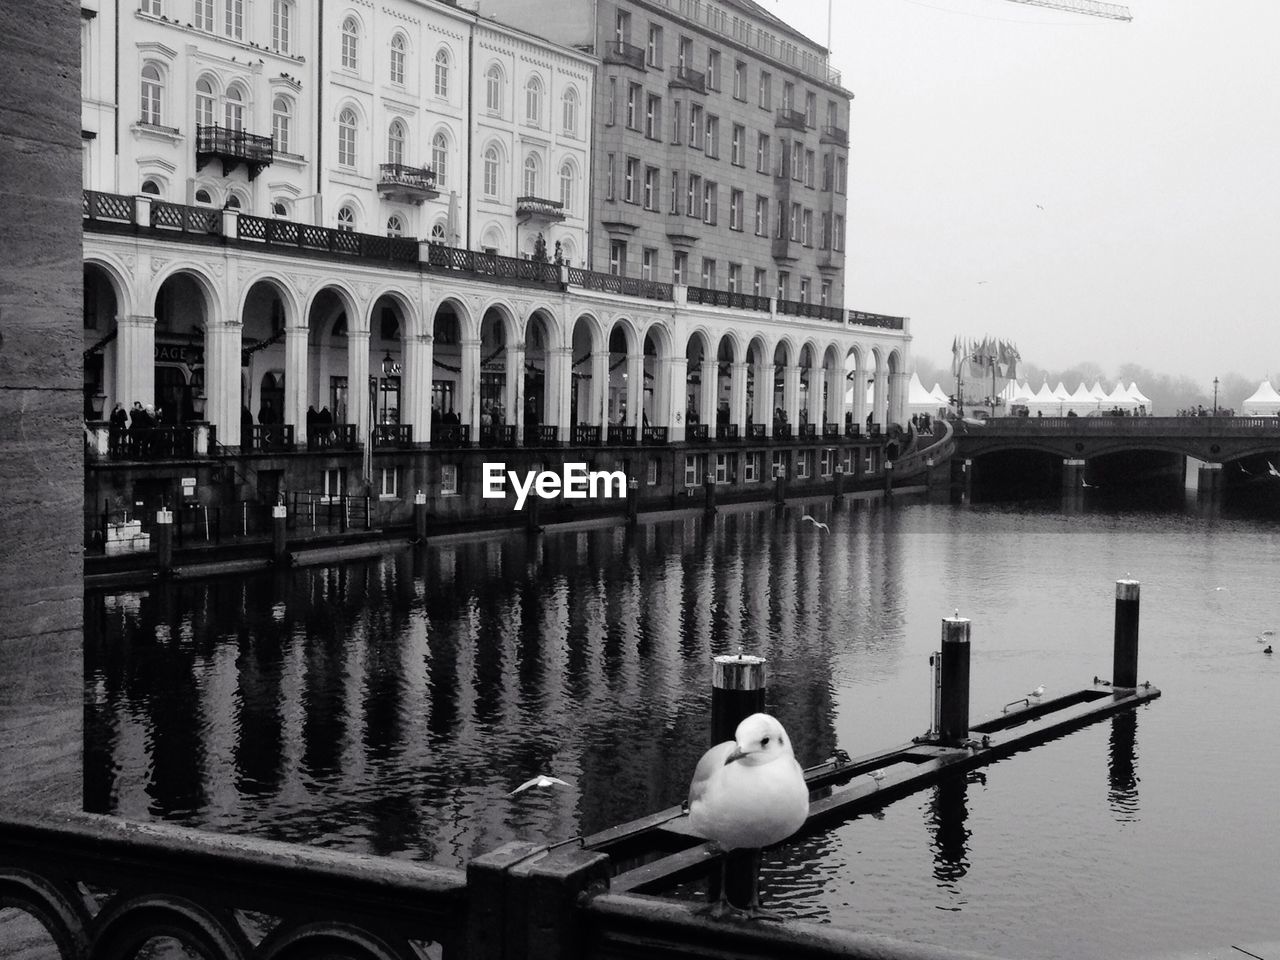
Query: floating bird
[
  {"x": 1267, "y": 648},
  {"x": 1037, "y": 693},
  {"x": 748, "y": 792},
  {"x": 981, "y": 282},
  {"x": 541, "y": 780},
  {"x": 1247, "y": 473},
  {"x": 816, "y": 523},
  {"x": 1271, "y": 469},
  {"x": 1088, "y": 486},
  {"x": 876, "y": 775},
  {"x": 1039, "y": 207}
]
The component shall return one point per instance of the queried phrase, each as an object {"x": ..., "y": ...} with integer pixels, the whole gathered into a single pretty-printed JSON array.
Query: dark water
[{"x": 389, "y": 705}]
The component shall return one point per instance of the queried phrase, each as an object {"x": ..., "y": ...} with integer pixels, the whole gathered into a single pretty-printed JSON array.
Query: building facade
[{"x": 721, "y": 144}]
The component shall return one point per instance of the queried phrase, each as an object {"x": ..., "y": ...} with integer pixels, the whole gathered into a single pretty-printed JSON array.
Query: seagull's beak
[{"x": 736, "y": 755}]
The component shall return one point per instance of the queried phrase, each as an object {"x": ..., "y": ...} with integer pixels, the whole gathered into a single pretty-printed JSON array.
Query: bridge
[{"x": 1079, "y": 452}]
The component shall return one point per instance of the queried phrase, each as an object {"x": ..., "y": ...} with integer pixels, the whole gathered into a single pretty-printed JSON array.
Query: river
[{"x": 389, "y": 705}]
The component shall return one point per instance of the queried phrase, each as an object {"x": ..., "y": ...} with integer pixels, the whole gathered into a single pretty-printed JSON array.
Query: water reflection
[
  {"x": 948, "y": 812},
  {"x": 1122, "y": 775}
]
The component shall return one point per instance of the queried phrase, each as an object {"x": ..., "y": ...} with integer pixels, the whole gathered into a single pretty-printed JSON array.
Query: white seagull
[
  {"x": 541, "y": 780},
  {"x": 816, "y": 523},
  {"x": 748, "y": 792},
  {"x": 1037, "y": 693},
  {"x": 1271, "y": 469}
]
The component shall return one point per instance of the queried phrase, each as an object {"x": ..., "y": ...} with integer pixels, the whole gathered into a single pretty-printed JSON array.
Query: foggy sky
[{"x": 1153, "y": 147}]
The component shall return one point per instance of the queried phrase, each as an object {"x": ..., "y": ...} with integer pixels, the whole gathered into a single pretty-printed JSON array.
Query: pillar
[
  {"x": 279, "y": 534},
  {"x": 560, "y": 391},
  {"x": 738, "y": 397},
  {"x": 1209, "y": 482},
  {"x": 162, "y": 537},
  {"x": 897, "y": 398},
  {"x": 817, "y": 399},
  {"x": 222, "y": 380},
  {"x": 513, "y": 395},
  {"x": 953, "y": 695},
  {"x": 672, "y": 383},
  {"x": 1072, "y": 476},
  {"x": 709, "y": 381},
  {"x": 880, "y": 400},
  {"x": 296, "y": 388},
  {"x": 418, "y": 366},
  {"x": 358, "y": 381},
  {"x": 635, "y": 391},
  {"x": 738, "y": 688},
  {"x": 136, "y": 359},
  {"x": 469, "y": 386},
  {"x": 859, "y": 391},
  {"x": 1124, "y": 669},
  {"x": 599, "y": 406},
  {"x": 791, "y": 396},
  {"x": 762, "y": 412}
]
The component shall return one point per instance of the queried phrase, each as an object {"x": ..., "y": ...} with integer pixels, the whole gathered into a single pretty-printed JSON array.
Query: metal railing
[
  {"x": 756, "y": 431},
  {"x": 236, "y": 144},
  {"x": 113, "y": 207},
  {"x": 266, "y": 438},
  {"x": 727, "y": 431},
  {"x": 726, "y": 298},
  {"x": 331, "y": 436},
  {"x": 808, "y": 431},
  {"x": 697, "y": 431},
  {"x": 540, "y": 435},
  {"x": 492, "y": 266},
  {"x": 393, "y": 435},
  {"x": 539, "y": 207},
  {"x": 654, "y": 435},
  {"x": 837, "y": 135},
  {"x": 304, "y": 236},
  {"x": 497, "y": 435},
  {"x": 688, "y": 78},
  {"x": 417, "y": 179},
  {"x": 1133, "y": 426},
  {"x": 628, "y": 286},
  {"x": 178, "y": 216},
  {"x": 450, "y": 434},
  {"x": 586, "y": 435},
  {"x": 781, "y": 431},
  {"x": 792, "y": 120},
  {"x": 621, "y": 434},
  {"x": 875, "y": 320},
  {"x": 176, "y": 442},
  {"x": 852, "y": 430},
  {"x": 815, "y": 311}
]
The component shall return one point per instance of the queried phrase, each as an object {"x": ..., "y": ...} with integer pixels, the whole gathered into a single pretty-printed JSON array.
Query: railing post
[
  {"x": 953, "y": 702},
  {"x": 231, "y": 224},
  {"x": 1124, "y": 669},
  {"x": 738, "y": 687},
  {"x": 142, "y": 210},
  {"x": 163, "y": 538}
]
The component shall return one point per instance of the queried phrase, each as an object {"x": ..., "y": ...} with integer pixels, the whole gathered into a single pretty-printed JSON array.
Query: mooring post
[
  {"x": 953, "y": 710},
  {"x": 531, "y": 511},
  {"x": 163, "y": 537},
  {"x": 837, "y": 499},
  {"x": 279, "y": 534},
  {"x": 738, "y": 686},
  {"x": 1124, "y": 669},
  {"x": 633, "y": 501},
  {"x": 709, "y": 488},
  {"x": 888, "y": 480},
  {"x": 419, "y": 517},
  {"x": 779, "y": 479}
]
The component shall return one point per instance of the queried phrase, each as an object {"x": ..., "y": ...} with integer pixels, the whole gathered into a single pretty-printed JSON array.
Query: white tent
[
  {"x": 1061, "y": 393},
  {"x": 940, "y": 396},
  {"x": 1082, "y": 402},
  {"x": 1136, "y": 396},
  {"x": 1265, "y": 402},
  {"x": 1023, "y": 394},
  {"x": 1119, "y": 399},
  {"x": 1099, "y": 391},
  {"x": 920, "y": 400},
  {"x": 1044, "y": 402}
]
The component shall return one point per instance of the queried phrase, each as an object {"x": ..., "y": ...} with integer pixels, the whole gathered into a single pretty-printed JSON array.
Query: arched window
[
  {"x": 151, "y": 188},
  {"x": 280, "y": 208},
  {"x": 570, "y": 103},
  {"x": 204, "y": 103},
  {"x": 440, "y": 158},
  {"x": 397, "y": 59},
  {"x": 233, "y": 110},
  {"x": 395, "y": 143},
  {"x": 531, "y": 178},
  {"x": 395, "y": 226},
  {"x": 442, "y": 73},
  {"x": 281, "y": 121},
  {"x": 437, "y": 232},
  {"x": 152, "y": 92},
  {"x": 346, "y": 218},
  {"x": 567, "y": 186},
  {"x": 533, "y": 101},
  {"x": 493, "y": 89},
  {"x": 233, "y": 202},
  {"x": 347, "y": 138},
  {"x": 350, "y": 44},
  {"x": 491, "y": 166},
  {"x": 202, "y": 196}
]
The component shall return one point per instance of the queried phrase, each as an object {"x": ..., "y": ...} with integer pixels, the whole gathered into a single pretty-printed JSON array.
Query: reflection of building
[
  {"x": 314, "y": 237},
  {"x": 721, "y": 144}
]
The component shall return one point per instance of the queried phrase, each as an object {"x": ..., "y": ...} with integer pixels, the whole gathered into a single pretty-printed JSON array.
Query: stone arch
[
  {"x": 542, "y": 388},
  {"x": 451, "y": 325},
  {"x": 698, "y": 395},
  {"x": 393, "y": 324},
  {"x": 759, "y": 389},
  {"x": 187, "y": 308},
  {"x": 657, "y": 391},
  {"x": 500, "y": 382},
  {"x": 586, "y": 341},
  {"x": 833, "y": 386},
  {"x": 119, "y": 279},
  {"x": 622, "y": 342},
  {"x": 333, "y": 311},
  {"x": 266, "y": 311}
]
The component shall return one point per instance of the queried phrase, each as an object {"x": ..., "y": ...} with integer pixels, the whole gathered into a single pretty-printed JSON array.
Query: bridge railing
[{"x": 1126, "y": 426}]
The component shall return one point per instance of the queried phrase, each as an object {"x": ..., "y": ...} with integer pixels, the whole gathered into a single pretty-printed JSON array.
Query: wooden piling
[
  {"x": 779, "y": 480},
  {"x": 163, "y": 539},
  {"x": 419, "y": 517},
  {"x": 279, "y": 534},
  {"x": 953, "y": 695},
  {"x": 1124, "y": 670},
  {"x": 738, "y": 686},
  {"x": 709, "y": 489},
  {"x": 633, "y": 501},
  {"x": 837, "y": 499}
]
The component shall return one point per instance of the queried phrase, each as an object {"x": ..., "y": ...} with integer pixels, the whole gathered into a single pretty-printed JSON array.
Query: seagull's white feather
[
  {"x": 816, "y": 523},
  {"x": 541, "y": 780}
]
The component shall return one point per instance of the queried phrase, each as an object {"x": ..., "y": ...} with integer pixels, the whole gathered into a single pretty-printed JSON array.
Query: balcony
[
  {"x": 686, "y": 78},
  {"x": 538, "y": 208},
  {"x": 233, "y": 147},
  {"x": 726, "y": 431},
  {"x": 404, "y": 184},
  {"x": 835, "y": 135},
  {"x": 627, "y": 54},
  {"x": 586, "y": 435},
  {"x": 785, "y": 250},
  {"x": 813, "y": 311},
  {"x": 791, "y": 120},
  {"x": 875, "y": 320}
]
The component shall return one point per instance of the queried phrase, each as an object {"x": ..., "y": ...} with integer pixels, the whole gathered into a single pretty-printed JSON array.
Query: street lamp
[
  {"x": 387, "y": 365},
  {"x": 1215, "y": 396}
]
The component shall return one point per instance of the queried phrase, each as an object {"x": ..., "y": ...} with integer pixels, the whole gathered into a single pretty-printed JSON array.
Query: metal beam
[{"x": 1092, "y": 8}]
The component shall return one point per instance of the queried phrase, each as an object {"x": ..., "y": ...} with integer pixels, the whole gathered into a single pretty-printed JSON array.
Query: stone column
[
  {"x": 598, "y": 409},
  {"x": 635, "y": 391},
  {"x": 296, "y": 387},
  {"x": 673, "y": 377},
  {"x": 791, "y": 396},
  {"x": 136, "y": 360},
  {"x": 817, "y": 404},
  {"x": 222, "y": 380},
  {"x": 762, "y": 409},
  {"x": 709, "y": 377},
  {"x": 859, "y": 391},
  {"x": 880, "y": 400},
  {"x": 897, "y": 397},
  {"x": 514, "y": 394},
  {"x": 560, "y": 386},
  {"x": 358, "y": 382},
  {"x": 469, "y": 387},
  {"x": 738, "y": 397},
  {"x": 419, "y": 361}
]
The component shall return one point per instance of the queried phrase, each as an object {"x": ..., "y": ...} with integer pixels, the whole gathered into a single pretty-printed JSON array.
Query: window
[
  {"x": 675, "y": 191},
  {"x": 809, "y": 159},
  {"x": 806, "y": 227},
  {"x": 346, "y": 218},
  {"x": 613, "y": 101},
  {"x": 779, "y": 463},
  {"x": 695, "y": 126},
  {"x": 533, "y": 101},
  {"x": 797, "y": 159},
  {"x": 491, "y": 165},
  {"x": 281, "y": 120},
  {"x": 685, "y": 58},
  {"x": 395, "y": 226},
  {"x": 651, "y": 188},
  {"x": 710, "y": 202},
  {"x": 870, "y": 463},
  {"x": 395, "y": 143},
  {"x": 235, "y": 19},
  {"x": 280, "y": 208},
  {"x": 569, "y": 112},
  {"x": 735, "y": 144},
  {"x": 804, "y": 289},
  {"x": 442, "y": 73},
  {"x": 347, "y": 138},
  {"x": 334, "y": 482},
  {"x": 713, "y": 69},
  {"x": 204, "y": 15},
  {"x": 350, "y": 44},
  {"x": 848, "y": 460},
  {"x": 568, "y": 187},
  {"x": 676, "y": 125},
  {"x": 693, "y": 469},
  {"x": 713, "y": 137},
  {"x": 204, "y": 103},
  {"x": 532, "y": 176},
  {"x": 618, "y": 258},
  {"x": 751, "y": 467},
  {"x": 202, "y": 196},
  {"x": 759, "y": 282},
  {"x": 653, "y": 54},
  {"x": 802, "y": 464},
  {"x": 824, "y": 232},
  {"x": 708, "y": 273},
  {"x": 651, "y": 474},
  {"x": 735, "y": 277},
  {"x": 152, "y": 91},
  {"x": 762, "y": 153},
  {"x": 833, "y": 114},
  {"x": 397, "y": 59},
  {"x": 784, "y": 285},
  {"x": 609, "y": 177},
  {"x": 448, "y": 479},
  {"x": 788, "y": 95},
  {"x": 693, "y": 197},
  {"x": 827, "y": 171},
  {"x": 622, "y": 27},
  {"x": 233, "y": 110},
  {"x": 793, "y": 222},
  {"x": 811, "y": 109},
  {"x": 151, "y": 188},
  {"x": 440, "y": 158},
  {"x": 493, "y": 89},
  {"x": 281, "y": 25},
  {"x": 766, "y": 90},
  {"x": 762, "y": 216},
  {"x": 648, "y": 262},
  {"x": 633, "y": 106},
  {"x": 740, "y": 80},
  {"x": 842, "y": 172},
  {"x": 437, "y": 232},
  {"x": 653, "y": 118},
  {"x": 679, "y": 267},
  {"x": 724, "y": 473},
  {"x": 630, "y": 181},
  {"x": 389, "y": 487},
  {"x": 837, "y": 236},
  {"x": 826, "y": 293},
  {"x": 735, "y": 209}
]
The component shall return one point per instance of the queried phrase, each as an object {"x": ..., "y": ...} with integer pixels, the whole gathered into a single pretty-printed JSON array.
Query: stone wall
[{"x": 41, "y": 460}]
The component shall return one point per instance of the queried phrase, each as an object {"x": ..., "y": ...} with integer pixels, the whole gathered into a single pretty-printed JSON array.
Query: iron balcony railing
[
  {"x": 266, "y": 438},
  {"x": 187, "y": 219},
  {"x": 492, "y": 265},
  {"x": 450, "y": 434},
  {"x": 304, "y": 236},
  {"x": 726, "y": 298},
  {"x": 497, "y": 435},
  {"x": 756, "y": 431},
  {"x": 621, "y": 434},
  {"x": 413, "y": 184},
  {"x": 815, "y": 311},
  {"x": 792, "y": 120},
  {"x": 232, "y": 147},
  {"x": 331, "y": 436},
  {"x": 836, "y": 135},
  {"x": 586, "y": 435},
  {"x": 393, "y": 435},
  {"x": 875, "y": 320},
  {"x": 540, "y": 208},
  {"x": 654, "y": 435},
  {"x": 619, "y": 51},
  {"x": 727, "y": 431},
  {"x": 111, "y": 207},
  {"x": 687, "y": 78},
  {"x": 696, "y": 431},
  {"x": 540, "y": 435},
  {"x": 629, "y": 286}
]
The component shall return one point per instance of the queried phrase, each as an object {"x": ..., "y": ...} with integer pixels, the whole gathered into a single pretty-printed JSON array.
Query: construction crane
[{"x": 1112, "y": 11}]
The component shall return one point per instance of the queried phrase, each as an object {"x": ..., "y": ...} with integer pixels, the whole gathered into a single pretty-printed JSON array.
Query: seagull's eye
[{"x": 764, "y": 742}]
